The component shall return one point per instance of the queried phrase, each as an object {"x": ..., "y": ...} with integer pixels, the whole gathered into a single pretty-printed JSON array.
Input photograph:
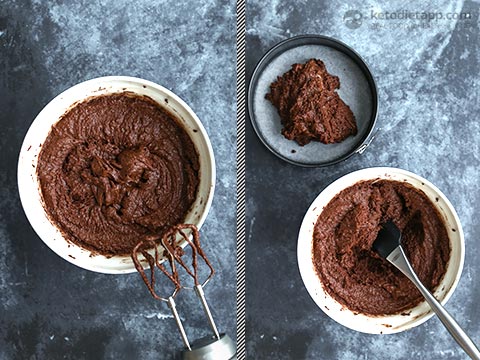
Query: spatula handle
[{"x": 398, "y": 258}]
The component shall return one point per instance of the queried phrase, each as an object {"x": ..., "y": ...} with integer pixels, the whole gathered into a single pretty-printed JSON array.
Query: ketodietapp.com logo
[{"x": 353, "y": 19}]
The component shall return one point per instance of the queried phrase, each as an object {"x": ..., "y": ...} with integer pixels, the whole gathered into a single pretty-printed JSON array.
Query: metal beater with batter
[{"x": 219, "y": 346}]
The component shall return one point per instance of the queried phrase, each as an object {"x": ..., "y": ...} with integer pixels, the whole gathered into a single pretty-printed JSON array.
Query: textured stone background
[
  {"x": 428, "y": 81},
  {"x": 50, "y": 309}
]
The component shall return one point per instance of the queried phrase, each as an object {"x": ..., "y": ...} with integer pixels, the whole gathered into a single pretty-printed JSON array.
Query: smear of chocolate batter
[
  {"x": 354, "y": 274},
  {"x": 309, "y": 105},
  {"x": 116, "y": 169}
]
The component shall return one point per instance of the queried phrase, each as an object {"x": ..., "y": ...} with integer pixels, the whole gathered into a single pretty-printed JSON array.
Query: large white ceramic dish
[
  {"x": 388, "y": 323},
  {"x": 28, "y": 185}
]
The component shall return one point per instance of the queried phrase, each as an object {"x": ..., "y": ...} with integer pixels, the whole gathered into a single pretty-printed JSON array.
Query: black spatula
[{"x": 388, "y": 246}]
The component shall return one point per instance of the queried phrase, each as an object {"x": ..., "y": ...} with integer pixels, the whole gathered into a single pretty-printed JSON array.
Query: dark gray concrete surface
[
  {"x": 50, "y": 309},
  {"x": 428, "y": 79}
]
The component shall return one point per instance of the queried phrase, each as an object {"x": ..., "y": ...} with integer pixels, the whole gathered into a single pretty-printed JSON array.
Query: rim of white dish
[
  {"x": 30, "y": 194},
  {"x": 387, "y": 324}
]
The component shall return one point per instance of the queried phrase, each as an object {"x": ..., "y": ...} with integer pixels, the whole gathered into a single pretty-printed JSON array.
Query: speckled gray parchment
[
  {"x": 428, "y": 79},
  {"x": 50, "y": 309},
  {"x": 354, "y": 91}
]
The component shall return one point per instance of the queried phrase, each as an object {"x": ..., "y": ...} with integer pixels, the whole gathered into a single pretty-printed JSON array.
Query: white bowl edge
[
  {"x": 388, "y": 324},
  {"x": 27, "y": 178}
]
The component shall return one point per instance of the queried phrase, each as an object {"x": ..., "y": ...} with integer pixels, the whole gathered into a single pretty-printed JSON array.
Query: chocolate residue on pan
[
  {"x": 116, "y": 169},
  {"x": 309, "y": 105},
  {"x": 355, "y": 275}
]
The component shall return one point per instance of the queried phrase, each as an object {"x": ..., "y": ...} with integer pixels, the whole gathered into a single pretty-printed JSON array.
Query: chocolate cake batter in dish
[
  {"x": 309, "y": 106},
  {"x": 352, "y": 273},
  {"x": 116, "y": 169}
]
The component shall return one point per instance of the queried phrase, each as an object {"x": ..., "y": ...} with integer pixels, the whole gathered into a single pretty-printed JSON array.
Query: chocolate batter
[
  {"x": 116, "y": 169},
  {"x": 309, "y": 106},
  {"x": 355, "y": 275}
]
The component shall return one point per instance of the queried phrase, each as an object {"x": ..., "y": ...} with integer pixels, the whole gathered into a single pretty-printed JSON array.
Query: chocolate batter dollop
[
  {"x": 355, "y": 275},
  {"x": 116, "y": 169},
  {"x": 309, "y": 106}
]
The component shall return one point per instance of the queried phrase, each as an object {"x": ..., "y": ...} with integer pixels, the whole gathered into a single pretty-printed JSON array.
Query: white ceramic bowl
[
  {"x": 28, "y": 185},
  {"x": 388, "y": 323}
]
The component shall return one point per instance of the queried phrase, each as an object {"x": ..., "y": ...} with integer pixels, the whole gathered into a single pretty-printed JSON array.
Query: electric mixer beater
[{"x": 219, "y": 346}]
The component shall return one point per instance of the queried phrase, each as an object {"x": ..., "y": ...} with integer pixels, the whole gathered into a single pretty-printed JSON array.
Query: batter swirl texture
[
  {"x": 355, "y": 275},
  {"x": 116, "y": 169}
]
